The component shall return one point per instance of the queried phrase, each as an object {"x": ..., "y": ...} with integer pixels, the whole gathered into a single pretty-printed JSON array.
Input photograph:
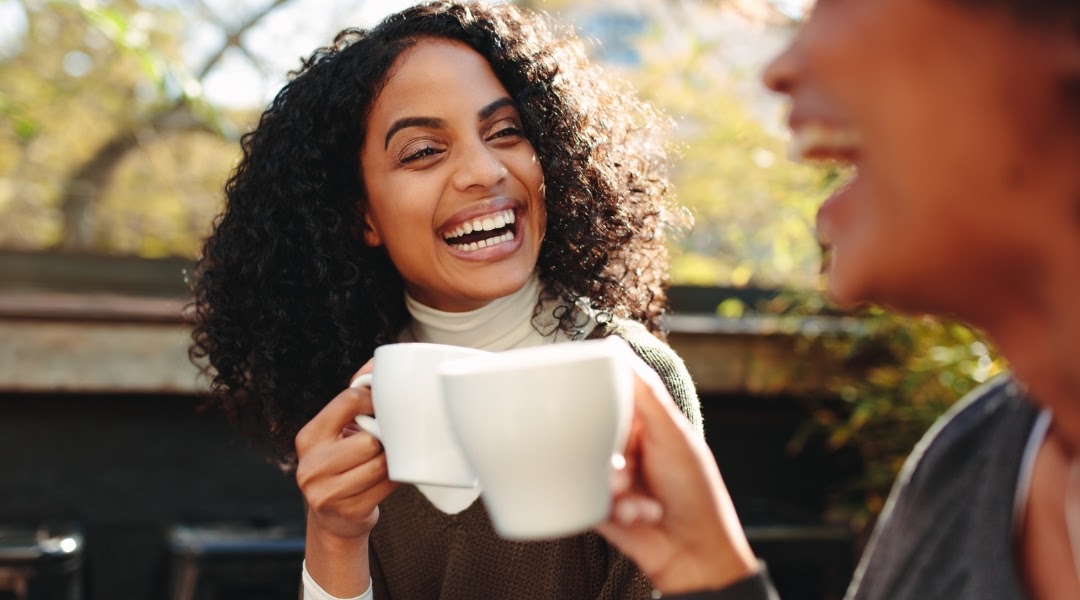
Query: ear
[
  {"x": 371, "y": 234},
  {"x": 1064, "y": 37},
  {"x": 1065, "y": 54}
]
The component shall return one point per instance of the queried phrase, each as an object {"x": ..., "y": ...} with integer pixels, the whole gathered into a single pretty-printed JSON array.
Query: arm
[
  {"x": 756, "y": 587},
  {"x": 342, "y": 474},
  {"x": 311, "y": 590},
  {"x": 672, "y": 514}
]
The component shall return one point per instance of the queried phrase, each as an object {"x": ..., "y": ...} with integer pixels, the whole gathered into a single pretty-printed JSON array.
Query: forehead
[{"x": 436, "y": 77}]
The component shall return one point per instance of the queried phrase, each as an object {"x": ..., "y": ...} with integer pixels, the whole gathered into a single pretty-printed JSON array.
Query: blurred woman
[
  {"x": 459, "y": 174},
  {"x": 962, "y": 122}
]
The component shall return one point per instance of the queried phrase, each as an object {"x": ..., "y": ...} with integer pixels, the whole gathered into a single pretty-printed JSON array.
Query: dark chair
[
  {"x": 235, "y": 561},
  {"x": 41, "y": 561}
]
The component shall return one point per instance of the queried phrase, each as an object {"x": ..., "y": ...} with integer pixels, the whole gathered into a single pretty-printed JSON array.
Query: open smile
[
  {"x": 827, "y": 143},
  {"x": 818, "y": 142},
  {"x": 483, "y": 231}
]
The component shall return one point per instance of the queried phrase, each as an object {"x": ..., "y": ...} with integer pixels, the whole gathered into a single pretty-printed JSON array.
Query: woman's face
[
  {"x": 455, "y": 192},
  {"x": 954, "y": 122}
]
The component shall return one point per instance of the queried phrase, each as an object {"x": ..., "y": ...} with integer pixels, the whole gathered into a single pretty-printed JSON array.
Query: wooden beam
[
  {"x": 96, "y": 357},
  {"x": 90, "y": 348}
]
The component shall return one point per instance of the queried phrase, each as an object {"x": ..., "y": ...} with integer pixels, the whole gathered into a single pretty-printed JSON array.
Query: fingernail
[
  {"x": 651, "y": 512},
  {"x": 626, "y": 513}
]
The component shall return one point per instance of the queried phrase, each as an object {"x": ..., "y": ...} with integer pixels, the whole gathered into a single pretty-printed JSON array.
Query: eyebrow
[{"x": 436, "y": 123}]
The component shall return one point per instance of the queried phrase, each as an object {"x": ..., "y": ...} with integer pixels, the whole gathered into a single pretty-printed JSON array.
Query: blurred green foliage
[
  {"x": 754, "y": 209},
  {"x": 102, "y": 131},
  {"x": 898, "y": 375}
]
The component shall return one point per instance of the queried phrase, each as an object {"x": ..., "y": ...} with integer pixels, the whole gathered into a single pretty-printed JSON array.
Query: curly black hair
[
  {"x": 289, "y": 301},
  {"x": 1045, "y": 10}
]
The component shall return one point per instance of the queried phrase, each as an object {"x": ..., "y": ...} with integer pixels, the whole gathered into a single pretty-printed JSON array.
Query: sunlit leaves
[
  {"x": 86, "y": 74},
  {"x": 753, "y": 207},
  {"x": 901, "y": 374}
]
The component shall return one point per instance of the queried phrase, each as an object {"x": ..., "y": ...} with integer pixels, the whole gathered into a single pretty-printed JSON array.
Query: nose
[
  {"x": 780, "y": 74},
  {"x": 478, "y": 166}
]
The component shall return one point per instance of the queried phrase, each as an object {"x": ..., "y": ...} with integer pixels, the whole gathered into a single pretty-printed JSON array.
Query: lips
[
  {"x": 817, "y": 141},
  {"x": 822, "y": 141}
]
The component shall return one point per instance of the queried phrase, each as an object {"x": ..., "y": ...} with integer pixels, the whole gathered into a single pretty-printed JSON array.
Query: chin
[
  {"x": 845, "y": 300},
  {"x": 504, "y": 284},
  {"x": 849, "y": 291},
  {"x": 911, "y": 299}
]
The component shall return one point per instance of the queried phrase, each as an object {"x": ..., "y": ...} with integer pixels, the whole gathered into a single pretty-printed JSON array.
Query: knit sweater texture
[{"x": 419, "y": 552}]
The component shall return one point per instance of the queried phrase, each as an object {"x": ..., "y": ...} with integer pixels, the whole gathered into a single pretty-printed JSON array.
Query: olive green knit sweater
[{"x": 419, "y": 552}]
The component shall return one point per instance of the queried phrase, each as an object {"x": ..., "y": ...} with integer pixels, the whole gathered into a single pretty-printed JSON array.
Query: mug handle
[{"x": 366, "y": 422}]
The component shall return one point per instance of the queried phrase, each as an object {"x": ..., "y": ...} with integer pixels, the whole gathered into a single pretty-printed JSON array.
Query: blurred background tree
[
  {"x": 116, "y": 138},
  {"x": 108, "y": 146}
]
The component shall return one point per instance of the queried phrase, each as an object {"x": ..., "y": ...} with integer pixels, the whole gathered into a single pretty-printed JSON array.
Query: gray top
[{"x": 946, "y": 531}]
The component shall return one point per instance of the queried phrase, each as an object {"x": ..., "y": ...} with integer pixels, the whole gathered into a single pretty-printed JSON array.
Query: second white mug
[{"x": 541, "y": 427}]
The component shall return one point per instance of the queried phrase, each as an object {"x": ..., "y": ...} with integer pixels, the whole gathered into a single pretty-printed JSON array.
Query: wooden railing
[{"x": 118, "y": 324}]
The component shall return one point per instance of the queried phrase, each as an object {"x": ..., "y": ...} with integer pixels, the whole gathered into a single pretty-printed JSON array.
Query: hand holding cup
[{"x": 410, "y": 415}]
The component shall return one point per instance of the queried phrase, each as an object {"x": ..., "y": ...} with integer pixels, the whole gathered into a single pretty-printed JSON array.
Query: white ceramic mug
[
  {"x": 410, "y": 415},
  {"x": 541, "y": 427}
]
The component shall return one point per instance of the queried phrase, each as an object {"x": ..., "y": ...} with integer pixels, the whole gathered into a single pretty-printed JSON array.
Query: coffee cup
[
  {"x": 410, "y": 415},
  {"x": 541, "y": 427}
]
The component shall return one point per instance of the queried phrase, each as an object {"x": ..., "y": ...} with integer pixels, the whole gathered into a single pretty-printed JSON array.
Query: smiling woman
[
  {"x": 460, "y": 174},
  {"x": 450, "y": 154}
]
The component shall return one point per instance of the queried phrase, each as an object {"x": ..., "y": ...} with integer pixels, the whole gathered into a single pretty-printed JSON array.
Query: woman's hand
[
  {"x": 342, "y": 473},
  {"x": 672, "y": 514}
]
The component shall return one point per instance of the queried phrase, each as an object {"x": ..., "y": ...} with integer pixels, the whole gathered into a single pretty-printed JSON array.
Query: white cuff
[{"x": 313, "y": 591}]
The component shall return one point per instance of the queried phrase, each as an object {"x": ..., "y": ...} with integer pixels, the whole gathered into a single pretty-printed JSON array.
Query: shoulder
[
  {"x": 953, "y": 500},
  {"x": 993, "y": 418},
  {"x": 662, "y": 359},
  {"x": 992, "y": 411},
  {"x": 644, "y": 343}
]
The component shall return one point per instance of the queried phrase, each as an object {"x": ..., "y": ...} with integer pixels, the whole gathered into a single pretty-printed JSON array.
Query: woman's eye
[
  {"x": 508, "y": 131},
  {"x": 417, "y": 154}
]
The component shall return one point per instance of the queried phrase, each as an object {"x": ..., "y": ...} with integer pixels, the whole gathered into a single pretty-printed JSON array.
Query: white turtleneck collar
[{"x": 502, "y": 324}]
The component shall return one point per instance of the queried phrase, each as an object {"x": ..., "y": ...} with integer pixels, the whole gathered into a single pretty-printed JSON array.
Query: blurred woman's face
[
  {"x": 955, "y": 125},
  {"x": 455, "y": 192}
]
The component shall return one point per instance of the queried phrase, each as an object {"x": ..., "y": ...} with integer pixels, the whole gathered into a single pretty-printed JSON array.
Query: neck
[
  {"x": 1041, "y": 341},
  {"x": 508, "y": 322}
]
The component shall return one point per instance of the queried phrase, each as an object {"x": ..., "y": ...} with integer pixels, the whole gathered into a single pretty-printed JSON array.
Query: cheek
[
  {"x": 541, "y": 210},
  {"x": 531, "y": 175}
]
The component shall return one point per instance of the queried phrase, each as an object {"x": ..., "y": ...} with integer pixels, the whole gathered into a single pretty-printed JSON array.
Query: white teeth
[
  {"x": 485, "y": 223},
  {"x": 506, "y": 237},
  {"x": 816, "y": 141}
]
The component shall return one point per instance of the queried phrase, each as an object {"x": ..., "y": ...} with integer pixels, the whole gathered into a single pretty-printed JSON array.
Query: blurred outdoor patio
[{"x": 106, "y": 443}]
